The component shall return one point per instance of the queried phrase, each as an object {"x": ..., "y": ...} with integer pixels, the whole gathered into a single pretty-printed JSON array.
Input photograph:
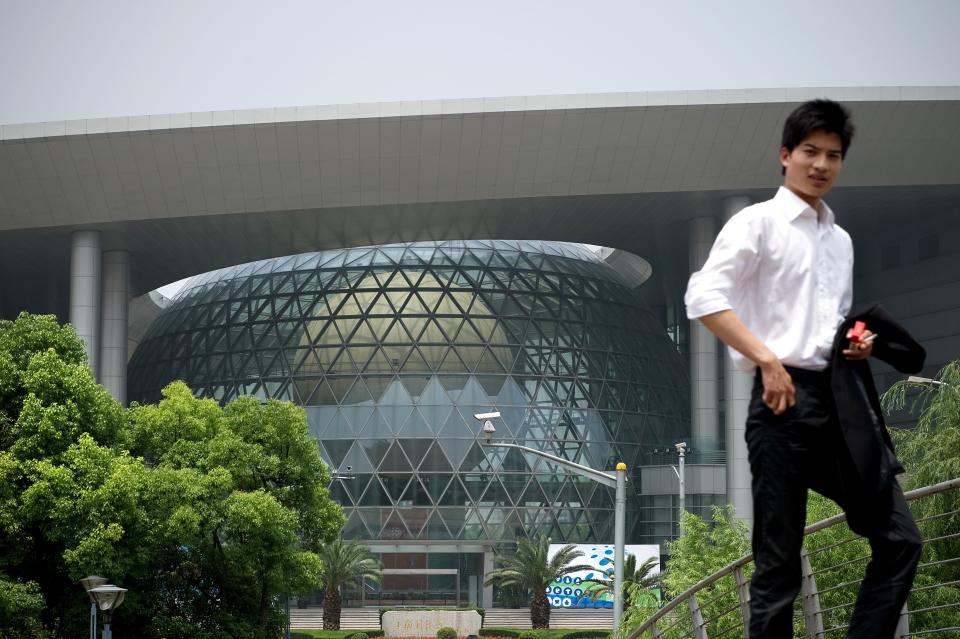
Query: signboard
[{"x": 574, "y": 590}]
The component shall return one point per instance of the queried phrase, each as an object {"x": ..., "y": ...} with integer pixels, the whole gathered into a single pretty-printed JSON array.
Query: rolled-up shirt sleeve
[{"x": 733, "y": 259}]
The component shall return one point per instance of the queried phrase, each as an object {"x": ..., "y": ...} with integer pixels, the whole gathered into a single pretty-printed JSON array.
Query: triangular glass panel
[
  {"x": 434, "y": 460},
  {"x": 377, "y": 385},
  {"x": 396, "y": 395},
  {"x": 434, "y": 394},
  {"x": 415, "y": 495},
  {"x": 476, "y": 460},
  {"x": 357, "y": 416},
  {"x": 336, "y": 450},
  {"x": 476, "y": 483},
  {"x": 375, "y": 495},
  {"x": 415, "y": 449},
  {"x": 358, "y": 394},
  {"x": 454, "y": 518},
  {"x": 395, "y": 460},
  {"x": 375, "y": 448},
  {"x": 356, "y": 459},
  {"x": 414, "y": 518},
  {"x": 354, "y": 528},
  {"x": 455, "y": 449},
  {"x": 395, "y": 483},
  {"x": 435, "y": 529},
  {"x": 533, "y": 497},
  {"x": 318, "y": 417},
  {"x": 395, "y": 333},
  {"x": 415, "y": 306},
  {"x": 339, "y": 494},
  {"x": 416, "y": 426},
  {"x": 495, "y": 495},
  {"x": 473, "y": 526},
  {"x": 375, "y": 426},
  {"x": 415, "y": 385},
  {"x": 434, "y": 483},
  {"x": 395, "y": 528},
  {"x": 456, "y": 494}
]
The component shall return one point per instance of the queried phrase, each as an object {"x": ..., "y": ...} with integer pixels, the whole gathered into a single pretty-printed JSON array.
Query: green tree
[
  {"x": 344, "y": 563},
  {"x": 930, "y": 453},
  {"x": 531, "y": 569},
  {"x": 49, "y": 404},
  {"x": 207, "y": 515},
  {"x": 704, "y": 548},
  {"x": 252, "y": 513}
]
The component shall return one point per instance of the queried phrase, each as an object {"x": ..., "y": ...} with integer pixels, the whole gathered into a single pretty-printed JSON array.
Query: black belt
[{"x": 802, "y": 375}]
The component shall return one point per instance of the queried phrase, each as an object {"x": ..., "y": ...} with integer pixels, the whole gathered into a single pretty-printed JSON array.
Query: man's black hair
[{"x": 818, "y": 115}]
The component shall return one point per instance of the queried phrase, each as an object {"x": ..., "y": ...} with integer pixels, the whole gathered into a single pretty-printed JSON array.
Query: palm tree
[
  {"x": 634, "y": 578},
  {"x": 344, "y": 562},
  {"x": 530, "y": 569}
]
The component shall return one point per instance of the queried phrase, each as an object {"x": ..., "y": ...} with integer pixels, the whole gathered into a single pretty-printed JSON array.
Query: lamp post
[
  {"x": 108, "y": 598},
  {"x": 616, "y": 480},
  {"x": 681, "y": 475},
  {"x": 89, "y": 583}
]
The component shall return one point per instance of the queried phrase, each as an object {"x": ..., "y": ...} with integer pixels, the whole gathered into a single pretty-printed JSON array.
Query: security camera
[
  {"x": 681, "y": 446},
  {"x": 486, "y": 416},
  {"x": 489, "y": 430},
  {"x": 349, "y": 468}
]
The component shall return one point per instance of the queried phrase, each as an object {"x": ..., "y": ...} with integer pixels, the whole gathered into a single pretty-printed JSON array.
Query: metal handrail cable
[{"x": 730, "y": 568}]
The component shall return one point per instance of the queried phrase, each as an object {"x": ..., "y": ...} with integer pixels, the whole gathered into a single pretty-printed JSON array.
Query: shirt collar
[{"x": 792, "y": 206}]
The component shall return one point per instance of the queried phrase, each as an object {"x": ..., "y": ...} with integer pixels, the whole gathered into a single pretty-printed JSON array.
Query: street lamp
[
  {"x": 108, "y": 598},
  {"x": 681, "y": 475},
  {"x": 616, "y": 480},
  {"x": 89, "y": 583}
]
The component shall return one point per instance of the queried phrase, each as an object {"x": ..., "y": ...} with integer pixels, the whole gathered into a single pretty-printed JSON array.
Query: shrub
[
  {"x": 529, "y": 634},
  {"x": 446, "y": 633},
  {"x": 586, "y": 634},
  {"x": 359, "y": 635},
  {"x": 509, "y": 633}
]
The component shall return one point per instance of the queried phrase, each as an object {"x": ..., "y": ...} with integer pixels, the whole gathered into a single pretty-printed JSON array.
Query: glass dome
[{"x": 393, "y": 349}]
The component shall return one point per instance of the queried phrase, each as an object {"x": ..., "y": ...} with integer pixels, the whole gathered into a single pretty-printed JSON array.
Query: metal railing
[{"x": 718, "y": 606}]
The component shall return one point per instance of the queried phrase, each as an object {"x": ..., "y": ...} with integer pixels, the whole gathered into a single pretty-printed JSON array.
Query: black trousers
[{"x": 802, "y": 449}]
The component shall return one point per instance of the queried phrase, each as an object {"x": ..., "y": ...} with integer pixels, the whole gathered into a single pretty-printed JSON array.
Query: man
[{"x": 776, "y": 288}]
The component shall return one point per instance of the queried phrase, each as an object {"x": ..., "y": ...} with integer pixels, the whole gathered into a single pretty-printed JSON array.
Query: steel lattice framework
[{"x": 392, "y": 349}]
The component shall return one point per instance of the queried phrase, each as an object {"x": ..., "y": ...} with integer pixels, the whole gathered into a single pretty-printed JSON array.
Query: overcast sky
[{"x": 68, "y": 59}]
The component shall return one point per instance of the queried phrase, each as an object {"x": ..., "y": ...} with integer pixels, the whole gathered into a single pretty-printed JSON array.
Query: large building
[
  {"x": 96, "y": 213},
  {"x": 394, "y": 349}
]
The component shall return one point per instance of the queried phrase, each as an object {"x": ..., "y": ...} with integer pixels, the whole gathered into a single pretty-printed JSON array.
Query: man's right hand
[{"x": 778, "y": 391}]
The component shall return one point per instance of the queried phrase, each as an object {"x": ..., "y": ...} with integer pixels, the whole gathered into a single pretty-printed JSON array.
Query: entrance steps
[
  {"x": 369, "y": 618},
  {"x": 559, "y": 618}
]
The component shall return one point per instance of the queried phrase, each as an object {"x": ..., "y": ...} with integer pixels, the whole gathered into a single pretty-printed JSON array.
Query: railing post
[
  {"x": 903, "y": 626},
  {"x": 812, "y": 616},
  {"x": 743, "y": 593},
  {"x": 699, "y": 625},
  {"x": 656, "y": 631}
]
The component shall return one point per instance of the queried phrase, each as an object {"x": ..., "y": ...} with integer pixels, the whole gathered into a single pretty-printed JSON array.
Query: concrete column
[
  {"x": 704, "y": 379},
  {"x": 487, "y": 590},
  {"x": 113, "y": 334},
  {"x": 737, "y": 388},
  {"x": 85, "y": 291}
]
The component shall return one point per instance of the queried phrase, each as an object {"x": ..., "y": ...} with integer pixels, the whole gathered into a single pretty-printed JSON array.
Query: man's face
[{"x": 813, "y": 165}]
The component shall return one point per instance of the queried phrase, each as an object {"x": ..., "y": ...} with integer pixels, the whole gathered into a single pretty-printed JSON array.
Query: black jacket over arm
[{"x": 858, "y": 405}]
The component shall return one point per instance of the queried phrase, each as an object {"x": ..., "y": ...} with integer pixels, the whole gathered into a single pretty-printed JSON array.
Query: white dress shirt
[{"x": 786, "y": 274}]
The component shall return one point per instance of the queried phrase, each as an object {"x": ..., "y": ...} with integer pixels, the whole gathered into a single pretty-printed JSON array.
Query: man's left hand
[{"x": 861, "y": 349}]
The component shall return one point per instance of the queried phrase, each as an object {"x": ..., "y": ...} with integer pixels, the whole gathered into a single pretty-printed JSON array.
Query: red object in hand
[{"x": 856, "y": 333}]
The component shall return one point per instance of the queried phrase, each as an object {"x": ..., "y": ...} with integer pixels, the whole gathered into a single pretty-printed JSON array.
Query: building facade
[{"x": 393, "y": 349}]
